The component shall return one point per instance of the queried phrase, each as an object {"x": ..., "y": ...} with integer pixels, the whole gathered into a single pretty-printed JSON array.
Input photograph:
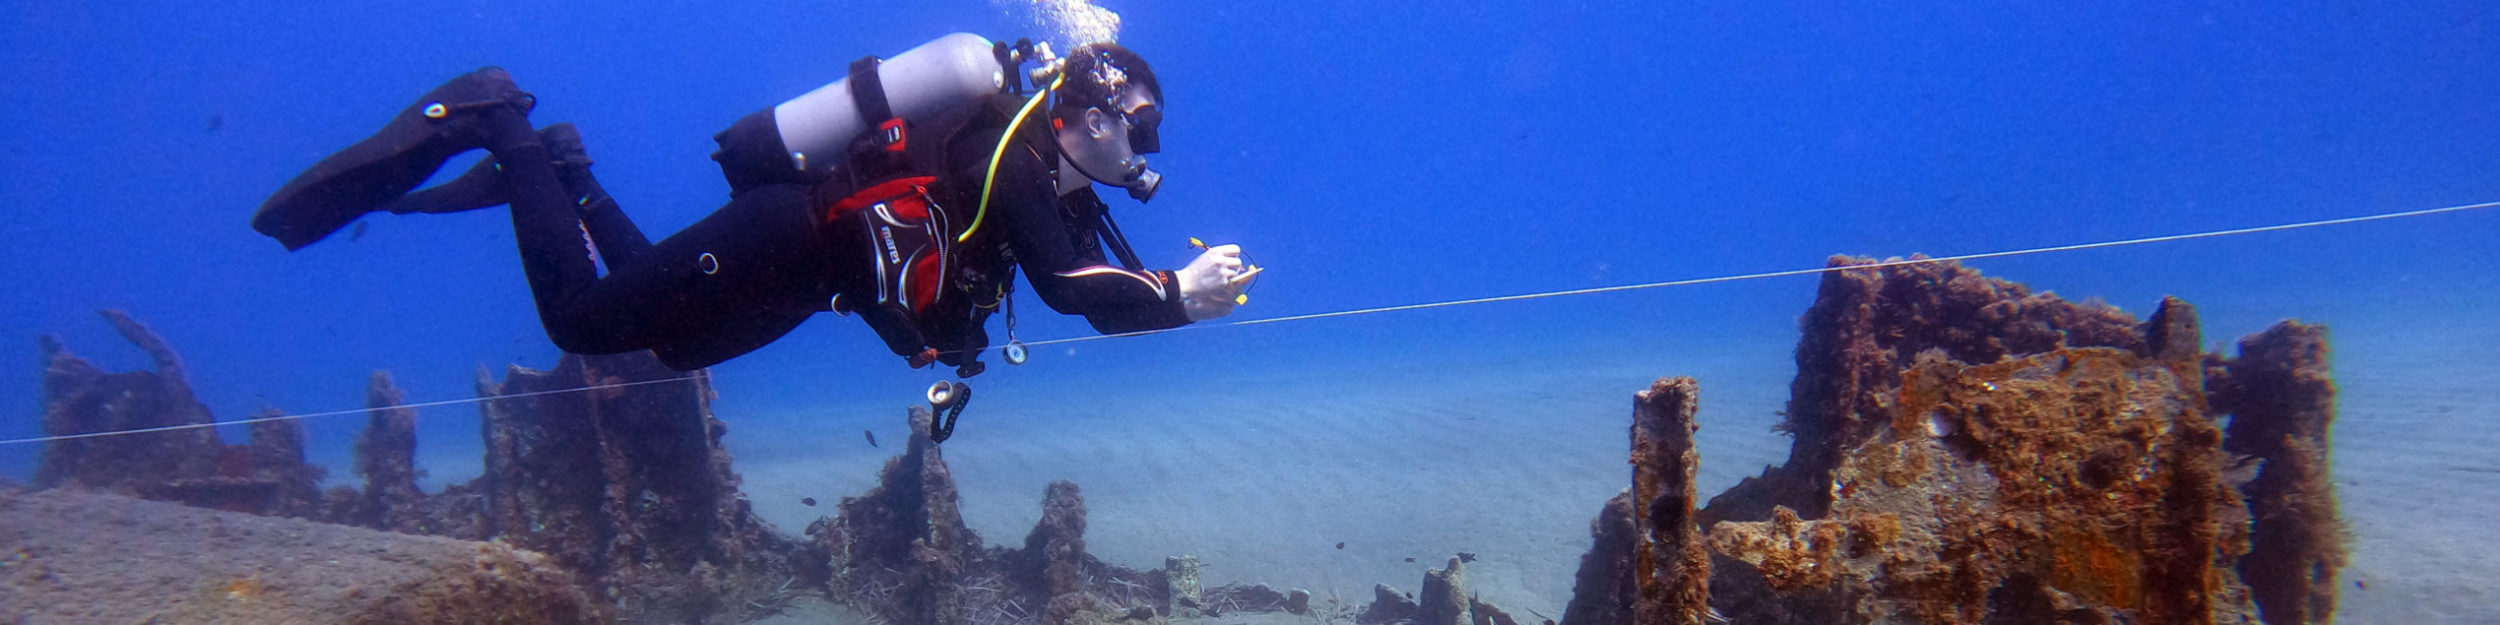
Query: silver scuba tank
[
  {"x": 918, "y": 83},
  {"x": 806, "y": 137}
]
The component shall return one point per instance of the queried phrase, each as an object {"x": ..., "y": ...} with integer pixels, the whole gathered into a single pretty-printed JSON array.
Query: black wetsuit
[{"x": 771, "y": 257}]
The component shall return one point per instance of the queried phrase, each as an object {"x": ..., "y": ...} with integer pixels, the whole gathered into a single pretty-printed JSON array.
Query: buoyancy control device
[{"x": 854, "y": 144}]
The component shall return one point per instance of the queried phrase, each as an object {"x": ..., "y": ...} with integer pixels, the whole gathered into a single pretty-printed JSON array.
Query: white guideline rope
[
  {"x": 1406, "y": 307},
  {"x": 333, "y": 413},
  {"x": 1792, "y": 272}
]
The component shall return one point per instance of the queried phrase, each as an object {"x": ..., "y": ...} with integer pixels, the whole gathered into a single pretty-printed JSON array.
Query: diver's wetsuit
[
  {"x": 763, "y": 263},
  {"x": 1059, "y": 240}
]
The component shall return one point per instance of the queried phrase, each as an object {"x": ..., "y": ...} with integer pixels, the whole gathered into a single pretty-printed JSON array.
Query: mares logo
[{"x": 893, "y": 256}]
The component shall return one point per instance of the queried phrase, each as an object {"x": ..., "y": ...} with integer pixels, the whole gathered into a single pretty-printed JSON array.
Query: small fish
[
  {"x": 872, "y": 437},
  {"x": 1341, "y": 544},
  {"x": 1466, "y": 557},
  {"x": 1410, "y": 558},
  {"x": 807, "y": 501},
  {"x": 357, "y": 232}
]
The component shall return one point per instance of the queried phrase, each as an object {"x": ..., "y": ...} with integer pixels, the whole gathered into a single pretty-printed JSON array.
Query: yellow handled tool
[{"x": 1249, "y": 272}]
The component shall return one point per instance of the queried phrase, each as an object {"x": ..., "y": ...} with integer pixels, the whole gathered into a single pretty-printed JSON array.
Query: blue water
[{"x": 1369, "y": 154}]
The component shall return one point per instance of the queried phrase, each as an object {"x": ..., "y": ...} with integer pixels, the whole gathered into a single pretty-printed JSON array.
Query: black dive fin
[
  {"x": 385, "y": 166},
  {"x": 481, "y": 187}
]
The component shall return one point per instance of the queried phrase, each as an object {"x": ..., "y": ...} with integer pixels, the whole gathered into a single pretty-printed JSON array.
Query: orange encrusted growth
[
  {"x": 1968, "y": 451},
  {"x": 1672, "y": 567}
]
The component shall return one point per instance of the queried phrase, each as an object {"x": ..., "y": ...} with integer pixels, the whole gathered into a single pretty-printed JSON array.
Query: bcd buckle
[{"x": 891, "y": 134}]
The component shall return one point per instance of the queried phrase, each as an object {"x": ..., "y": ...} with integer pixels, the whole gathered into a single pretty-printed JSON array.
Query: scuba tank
[{"x": 806, "y": 138}]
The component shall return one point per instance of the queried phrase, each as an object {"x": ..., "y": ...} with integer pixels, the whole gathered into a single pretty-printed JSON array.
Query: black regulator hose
[{"x": 942, "y": 414}]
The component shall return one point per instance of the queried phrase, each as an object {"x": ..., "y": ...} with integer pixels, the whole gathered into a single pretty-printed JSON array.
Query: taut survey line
[{"x": 1407, "y": 307}]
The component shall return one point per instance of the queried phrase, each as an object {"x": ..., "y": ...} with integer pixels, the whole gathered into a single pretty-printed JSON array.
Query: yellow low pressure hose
[{"x": 990, "y": 179}]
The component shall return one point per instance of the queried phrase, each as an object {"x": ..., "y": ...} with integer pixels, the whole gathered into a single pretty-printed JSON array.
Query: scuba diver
[{"x": 908, "y": 193}]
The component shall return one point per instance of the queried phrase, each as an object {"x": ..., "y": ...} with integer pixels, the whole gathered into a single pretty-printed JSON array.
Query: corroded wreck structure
[
  {"x": 607, "y": 497},
  {"x": 1970, "y": 452},
  {"x": 1966, "y": 451},
  {"x": 626, "y": 489},
  {"x": 265, "y": 476}
]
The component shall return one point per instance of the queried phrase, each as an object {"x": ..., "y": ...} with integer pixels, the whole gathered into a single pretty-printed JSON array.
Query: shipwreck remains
[
  {"x": 183, "y": 464},
  {"x": 607, "y": 473},
  {"x": 901, "y": 550},
  {"x": 2282, "y": 401},
  {"x": 625, "y": 486},
  {"x": 386, "y": 457},
  {"x": 628, "y": 485},
  {"x": 1968, "y": 451}
]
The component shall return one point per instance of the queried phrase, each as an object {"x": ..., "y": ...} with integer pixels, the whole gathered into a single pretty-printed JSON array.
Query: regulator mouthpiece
[{"x": 1142, "y": 180}]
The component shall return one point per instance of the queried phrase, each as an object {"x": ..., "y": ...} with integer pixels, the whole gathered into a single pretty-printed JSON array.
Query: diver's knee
[{"x": 577, "y": 340}]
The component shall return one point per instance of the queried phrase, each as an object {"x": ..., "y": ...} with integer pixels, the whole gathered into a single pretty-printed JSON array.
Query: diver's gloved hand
[{"x": 1211, "y": 284}]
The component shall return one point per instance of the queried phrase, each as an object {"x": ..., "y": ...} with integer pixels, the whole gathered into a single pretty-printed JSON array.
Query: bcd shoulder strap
[{"x": 868, "y": 96}]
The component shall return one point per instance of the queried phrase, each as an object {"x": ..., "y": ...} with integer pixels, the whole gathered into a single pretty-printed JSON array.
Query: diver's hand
[{"x": 1212, "y": 282}]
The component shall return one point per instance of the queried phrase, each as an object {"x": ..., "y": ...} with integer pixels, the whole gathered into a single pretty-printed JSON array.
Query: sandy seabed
[{"x": 2417, "y": 471}]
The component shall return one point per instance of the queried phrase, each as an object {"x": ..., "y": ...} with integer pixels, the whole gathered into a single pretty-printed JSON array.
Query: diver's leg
[
  {"x": 555, "y": 252},
  {"x": 360, "y": 179},
  {"x": 619, "y": 241},
  {"x": 762, "y": 252},
  {"x": 614, "y": 234},
  {"x": 483, "y": 186}
]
